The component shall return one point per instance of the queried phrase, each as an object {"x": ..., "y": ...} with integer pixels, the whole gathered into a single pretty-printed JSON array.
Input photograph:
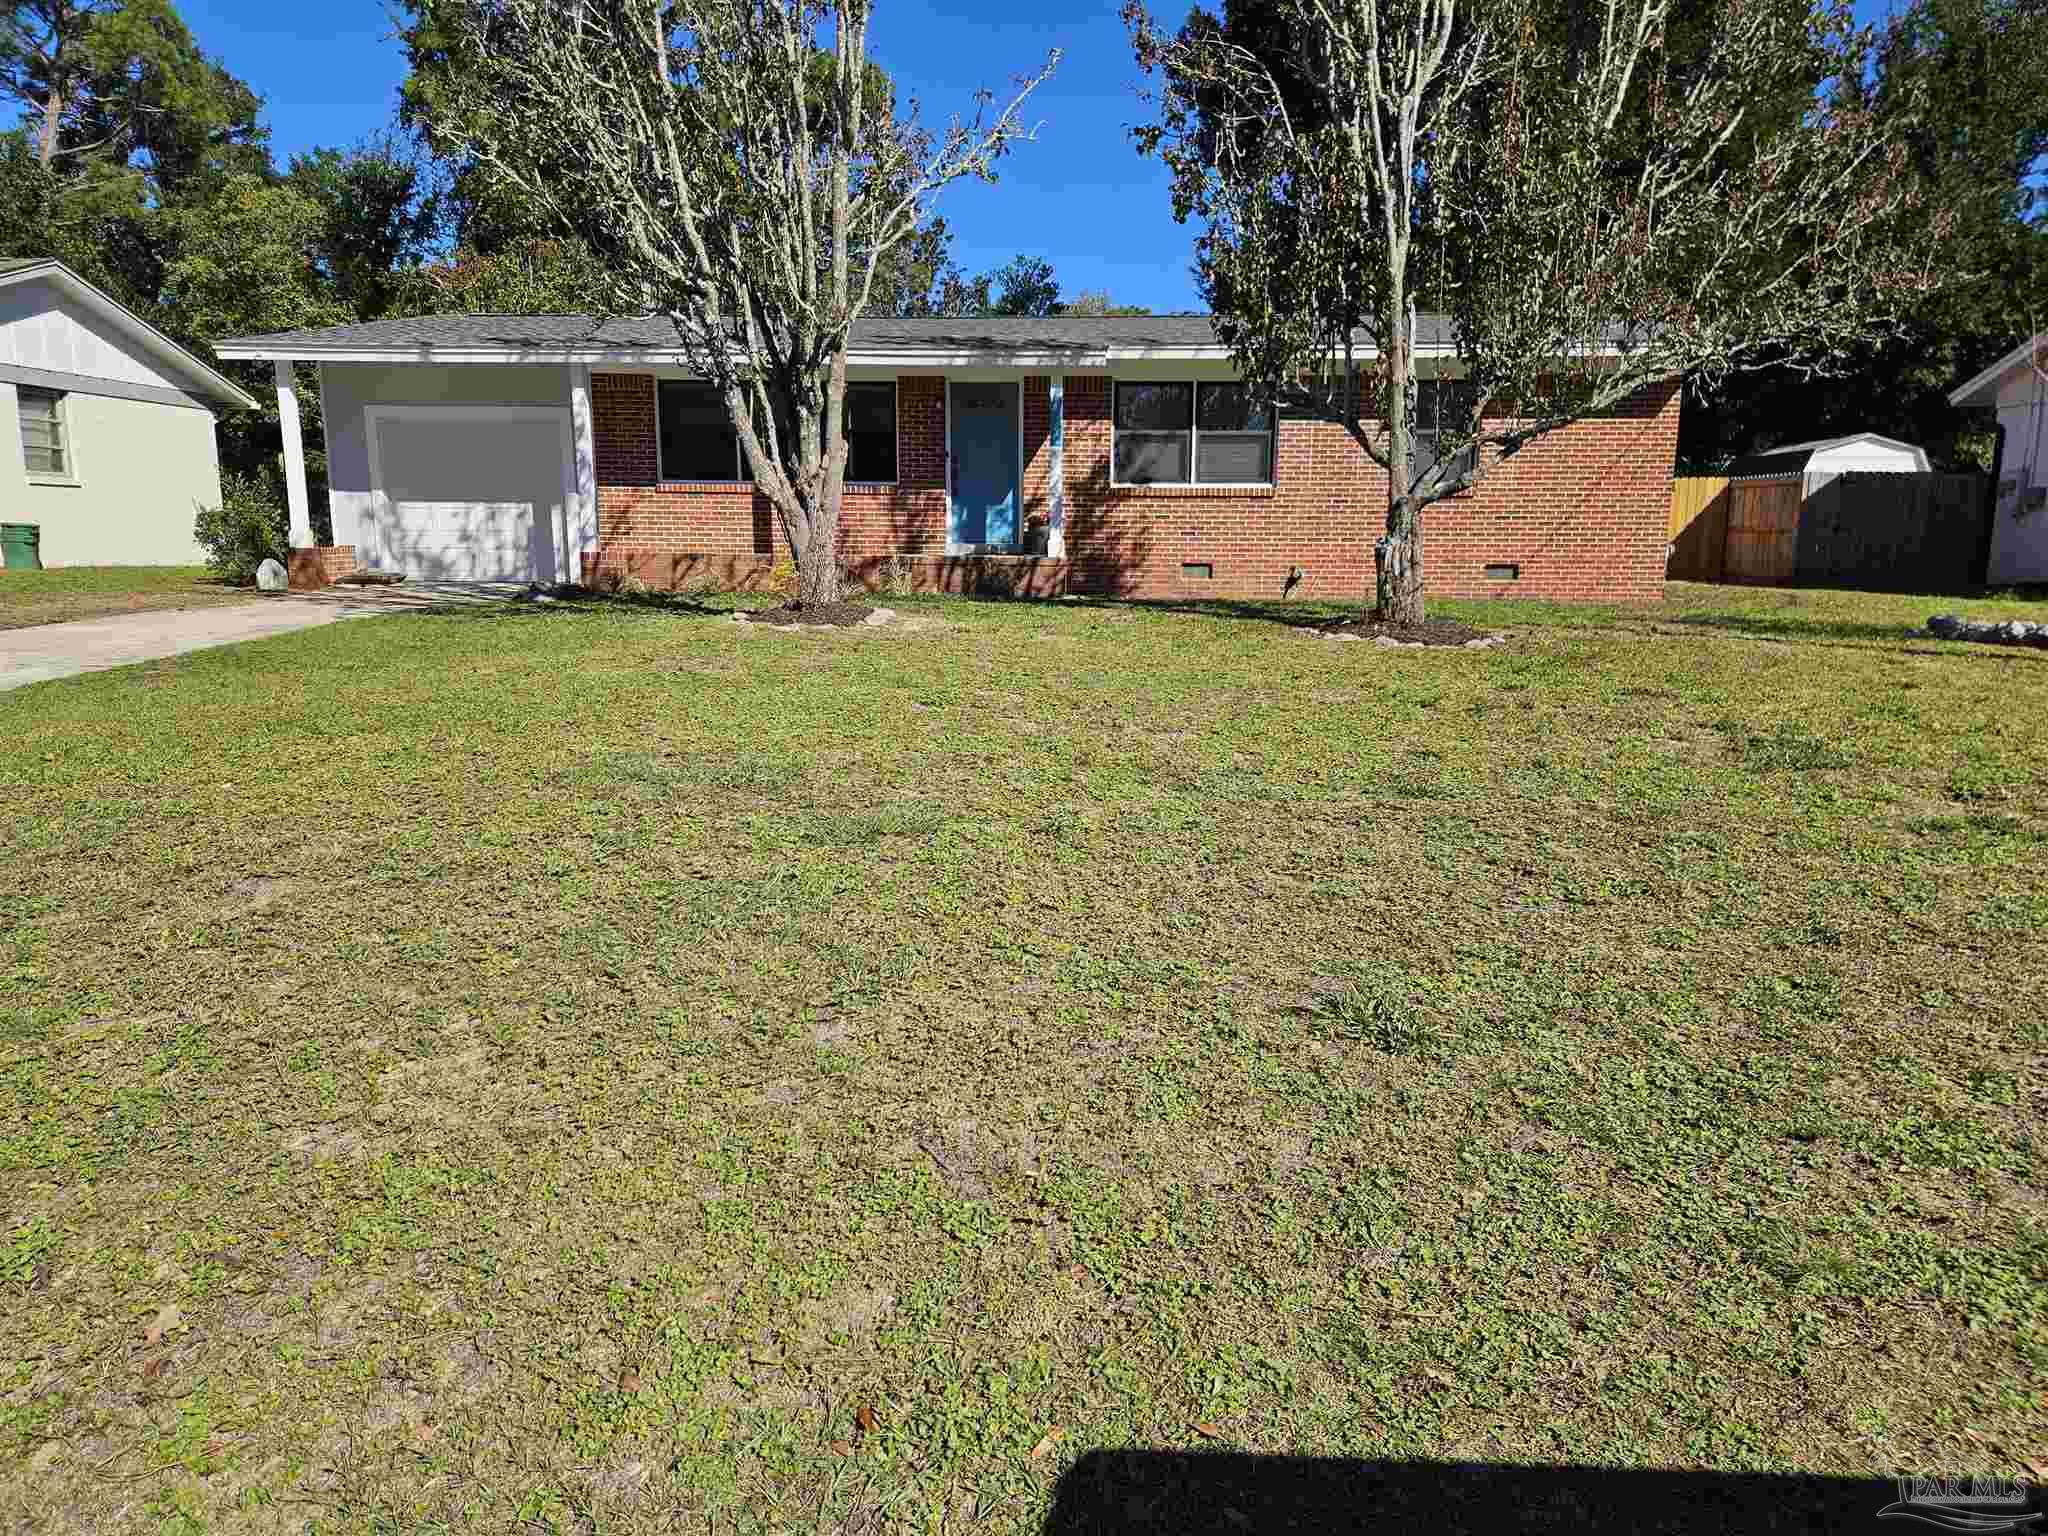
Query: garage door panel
[{"x": 469, "y": 497}]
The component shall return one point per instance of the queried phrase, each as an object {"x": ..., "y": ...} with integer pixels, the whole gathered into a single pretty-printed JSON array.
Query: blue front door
[{"x": 984, "y": 466}]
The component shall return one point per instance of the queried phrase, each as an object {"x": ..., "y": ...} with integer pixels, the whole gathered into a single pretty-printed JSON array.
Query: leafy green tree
[
  {"x": 239, "y": 264},
  {"x": 122, "y": 98},
  {"x": 380, "y": 219},
  {"x": 533, "y": 277},
  {"x": 1025, "y": 286},
  {"x": 1965, "y": 82},
  {"x": 1609, "y": 197},
  {"x": 1097, "y": 302}
]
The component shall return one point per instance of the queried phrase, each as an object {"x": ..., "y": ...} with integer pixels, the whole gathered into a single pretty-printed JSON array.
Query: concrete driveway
[{"x": 41, "y": 652}]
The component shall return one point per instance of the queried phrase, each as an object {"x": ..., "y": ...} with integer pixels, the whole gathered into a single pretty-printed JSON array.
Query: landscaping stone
[
  {"x": 270, "y": 577},
  {"x": 1953, "y": 626},
  {"x": 1353, "y": 635}
]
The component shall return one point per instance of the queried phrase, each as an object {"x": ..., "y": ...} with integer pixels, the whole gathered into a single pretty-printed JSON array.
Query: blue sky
[{"x": 1080, "y": 197}]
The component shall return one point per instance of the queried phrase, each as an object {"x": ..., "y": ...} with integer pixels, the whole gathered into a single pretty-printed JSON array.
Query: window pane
[
  {"x": 871, "y": 407},
  {"x": 1232, "y": 408},
  {"x": 42, "y": 431},
  {"x": 1443, "y": 405},
  {"x": 1154, "y": 407},
  {"x": 1152, "y": 458},
  {"x": 871, "y": 432},
  {"x": 871, "y": 456},
  {"x": 1235, "y": 458},
  {"x": 697, "y": 437}
]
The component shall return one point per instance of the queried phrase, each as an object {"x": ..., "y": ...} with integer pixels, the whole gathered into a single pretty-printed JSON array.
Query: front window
[
  {"x": 43, "y": 438},
  {"x": 871, "y": 433},
  {"x": 1192, "y": 434},
  {"x": 698, "y": 441}
]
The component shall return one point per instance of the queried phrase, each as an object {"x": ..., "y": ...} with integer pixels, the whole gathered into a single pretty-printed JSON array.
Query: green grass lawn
[
  {"x": 100, "y": 591},
  {"x": 602, "y": 1068}
]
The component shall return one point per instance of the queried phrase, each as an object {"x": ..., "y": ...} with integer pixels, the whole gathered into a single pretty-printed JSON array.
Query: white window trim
[
  {"x": 69, "y": 439},
  {"x": 1194, "y": 443},
  {"x": 662, "y": 476}
]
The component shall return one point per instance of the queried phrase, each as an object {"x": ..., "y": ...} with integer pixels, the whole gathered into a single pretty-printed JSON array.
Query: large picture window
[
  {"x": 1191, "y": 434},
  {"x": 698, "y": 441},
  {"x": 697, "y": 437}
]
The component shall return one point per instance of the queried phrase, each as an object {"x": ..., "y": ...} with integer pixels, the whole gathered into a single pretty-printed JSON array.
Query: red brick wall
[
  {"x": 668, "y": 531},
  {"x": 1037, "y": 407},
  {"x": 309, "y": 567},
  {"x": 1583, "y": 512}
]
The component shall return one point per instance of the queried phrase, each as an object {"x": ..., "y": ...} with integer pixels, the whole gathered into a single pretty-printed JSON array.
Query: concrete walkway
[{"x": 41, "y": 652}]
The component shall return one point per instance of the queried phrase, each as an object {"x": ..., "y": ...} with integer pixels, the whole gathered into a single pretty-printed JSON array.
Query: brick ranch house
[{"x": 1098, "y": 455}]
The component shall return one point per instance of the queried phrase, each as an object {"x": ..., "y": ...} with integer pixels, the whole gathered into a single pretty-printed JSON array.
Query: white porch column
[
  {"x": 294, "y": 457},
  {"x": 1056, "y": 470},
  {"x": 582, "y": 519}
]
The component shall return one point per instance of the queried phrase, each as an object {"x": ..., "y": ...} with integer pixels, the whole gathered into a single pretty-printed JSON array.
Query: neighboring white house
[
  {"x": 2016, "y": 387},
  {"x": 106, "y": 424}
]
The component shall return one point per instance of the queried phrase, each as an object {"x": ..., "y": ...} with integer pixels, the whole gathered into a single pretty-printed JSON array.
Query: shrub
[{"x": 246, "y": 529}]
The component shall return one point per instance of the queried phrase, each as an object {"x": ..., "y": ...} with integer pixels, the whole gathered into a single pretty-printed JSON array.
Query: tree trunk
[
  {"x": 53, "y": 115},
  {"x": 1397, "y": 557},
  {"x": 1397, "y": 566},
  {"x": 817, "y": 563}
]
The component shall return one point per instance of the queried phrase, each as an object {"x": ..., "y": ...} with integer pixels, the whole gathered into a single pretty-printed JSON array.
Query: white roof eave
[
  {"x": 1995, "y": 374},
  {"x": 258, "y": 350}
]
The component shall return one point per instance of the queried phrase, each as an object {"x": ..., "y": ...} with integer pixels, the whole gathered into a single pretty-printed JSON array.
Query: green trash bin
[{"x": 21, "y": 543}]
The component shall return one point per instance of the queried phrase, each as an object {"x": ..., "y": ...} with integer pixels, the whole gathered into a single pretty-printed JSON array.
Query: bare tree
[
  {"x": 1599, "y": 197},
  {"x": 725, "y": 162}
]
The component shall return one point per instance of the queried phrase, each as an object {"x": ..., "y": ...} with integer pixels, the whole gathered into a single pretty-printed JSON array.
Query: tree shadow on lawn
[
  {"x": 560, "y": 602},
  {"x": 1294, "y": 615},
  {"x": 1128, "y": 1492}
]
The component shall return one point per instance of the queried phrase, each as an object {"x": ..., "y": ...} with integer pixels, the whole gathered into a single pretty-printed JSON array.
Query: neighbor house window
[
  {"x": 43, "y": 440},
  {"x": 1192, "y": 434},
  {"x": 698, "y": 441},
  {"x": 871, "y": 432}
]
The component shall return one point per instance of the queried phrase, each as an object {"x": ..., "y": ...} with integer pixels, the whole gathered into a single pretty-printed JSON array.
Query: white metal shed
[{"x": 1822, "y": 460}]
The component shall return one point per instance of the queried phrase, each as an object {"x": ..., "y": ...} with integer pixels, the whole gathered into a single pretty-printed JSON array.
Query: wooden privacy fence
[
  {"x": 1763, "y": 532},
  {"x": 1913, "y": 533},
  {"x": 1910, "y": 532},
  {"x": 1699, "y": 527}
]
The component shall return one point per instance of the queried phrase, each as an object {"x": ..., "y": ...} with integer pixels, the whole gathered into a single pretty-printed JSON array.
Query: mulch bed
[
  {"x": 833, "y": 615},
  {"x": 1428, "y": 632}
]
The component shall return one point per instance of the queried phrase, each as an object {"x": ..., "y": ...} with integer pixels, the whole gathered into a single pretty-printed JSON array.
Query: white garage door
[{"x": 469, "y": 494}]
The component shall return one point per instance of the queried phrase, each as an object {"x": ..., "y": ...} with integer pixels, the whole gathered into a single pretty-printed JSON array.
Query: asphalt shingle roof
[{"x": 527, "y": 333}]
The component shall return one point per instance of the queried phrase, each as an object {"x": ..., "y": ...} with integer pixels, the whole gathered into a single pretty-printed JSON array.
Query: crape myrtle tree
[
  {"x": 725, "y": 163},
  {"x": 1602, "y": 194}
]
